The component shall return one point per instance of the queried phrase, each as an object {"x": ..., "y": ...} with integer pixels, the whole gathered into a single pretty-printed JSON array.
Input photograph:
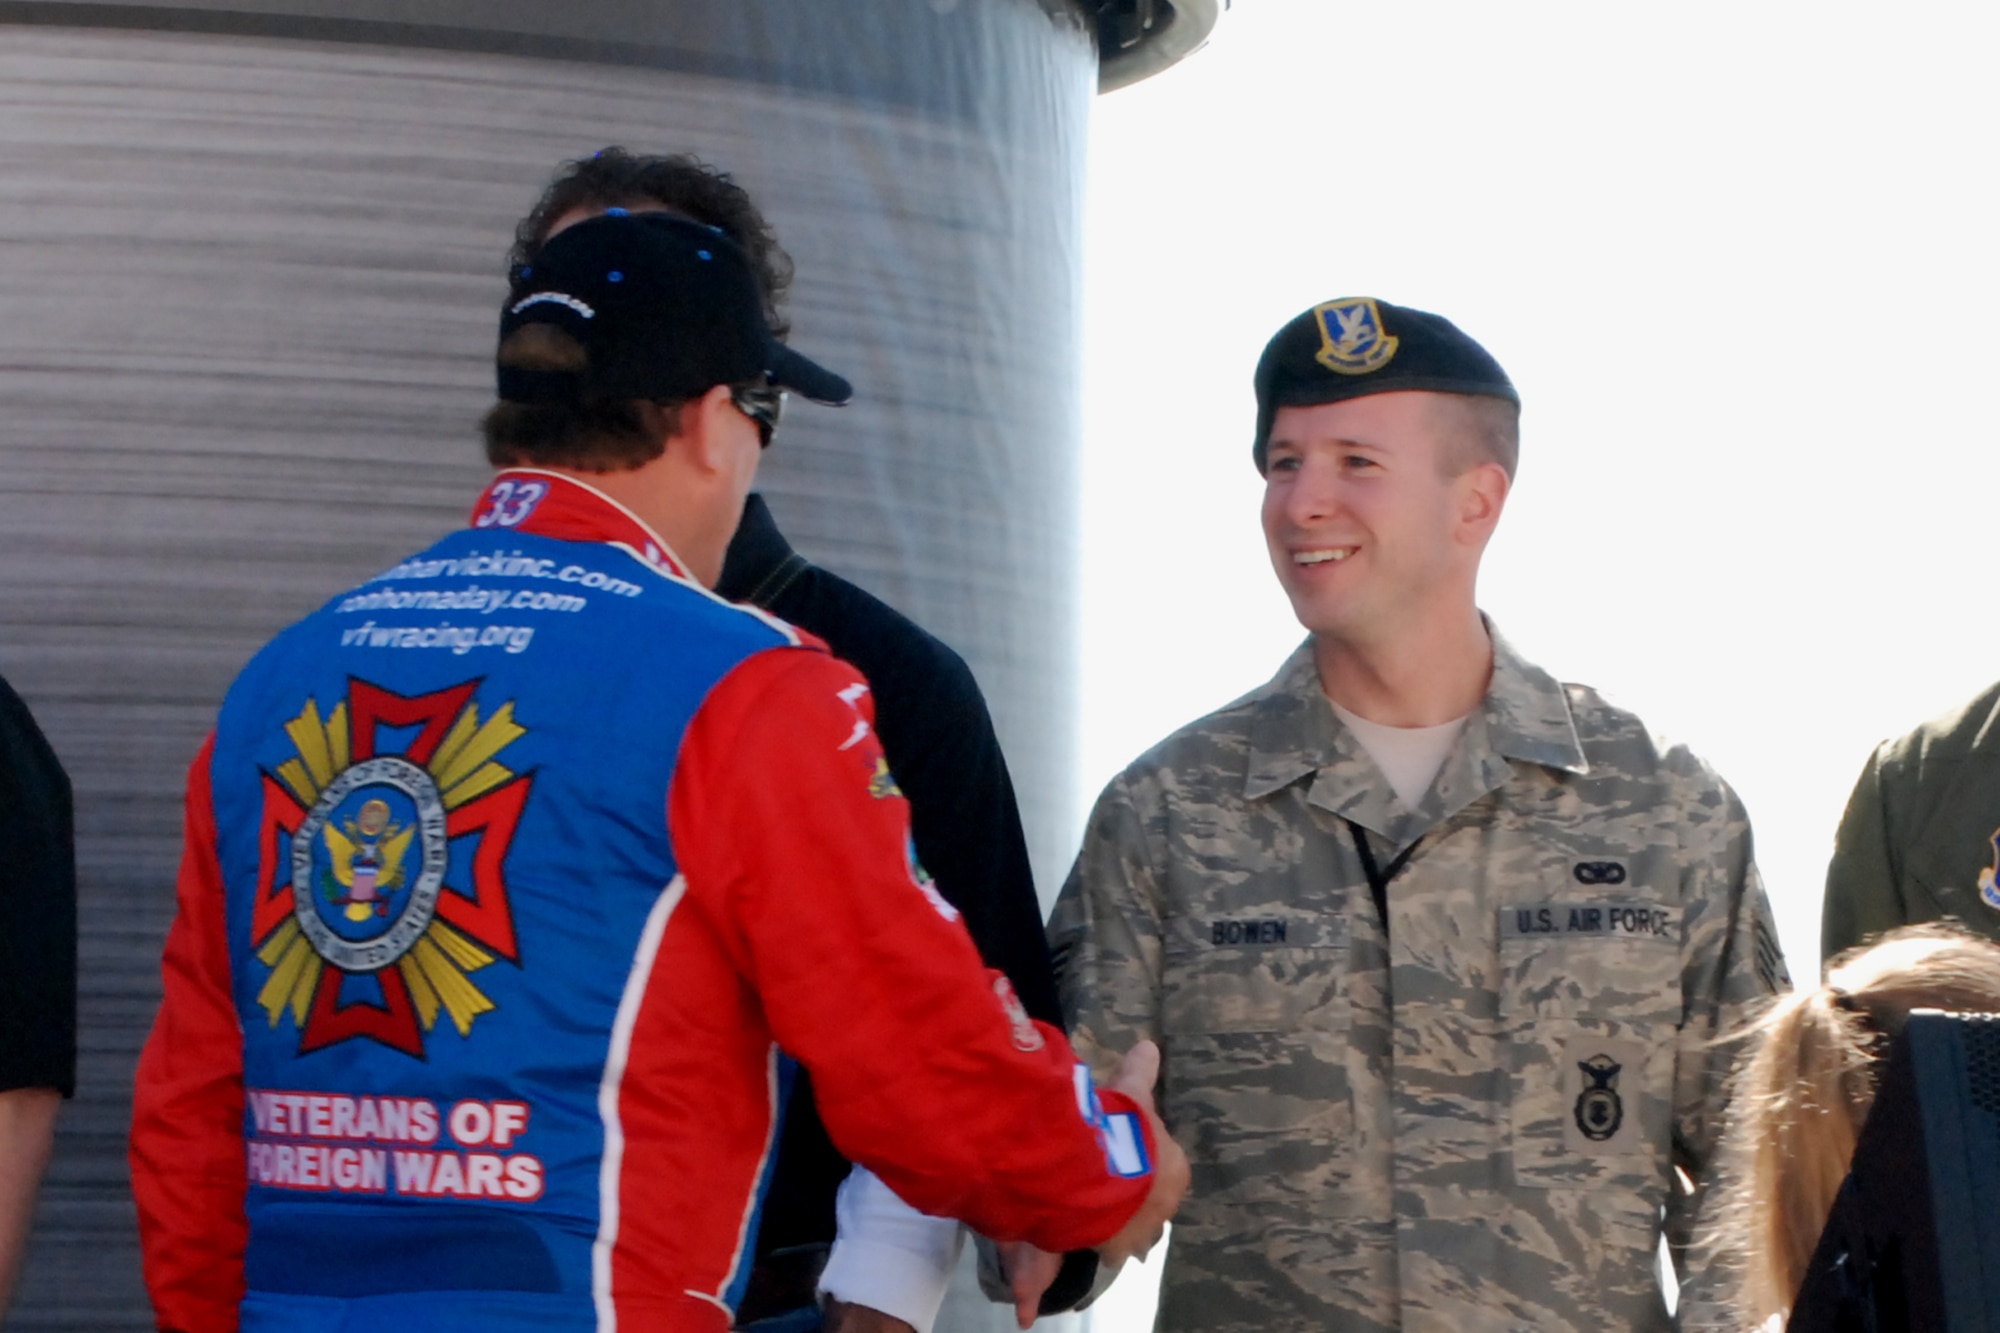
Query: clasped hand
[{"x": 1030, "y": 1270}]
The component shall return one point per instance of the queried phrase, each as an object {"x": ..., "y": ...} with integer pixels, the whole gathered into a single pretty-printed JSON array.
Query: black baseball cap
[
  {"x": 665, "y": 308},
  {"x": 1357, "y": 346}
]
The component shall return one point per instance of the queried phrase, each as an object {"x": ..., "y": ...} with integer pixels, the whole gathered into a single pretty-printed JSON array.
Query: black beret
[{"x": 1358, "y": 345}]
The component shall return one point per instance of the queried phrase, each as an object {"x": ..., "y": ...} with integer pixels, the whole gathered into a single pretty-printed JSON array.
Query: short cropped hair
[{"x": 1480, "y": 430}]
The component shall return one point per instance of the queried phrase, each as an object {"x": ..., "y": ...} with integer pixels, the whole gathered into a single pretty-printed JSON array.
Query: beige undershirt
[{"x": 1410, "y": 757}]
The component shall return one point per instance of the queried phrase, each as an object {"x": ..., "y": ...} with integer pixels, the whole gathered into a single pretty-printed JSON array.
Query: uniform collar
[
  {"x": 553, "y": 504},
  {"x": 1294, "y": 733},
  {"x": 1527, "y": 713}
]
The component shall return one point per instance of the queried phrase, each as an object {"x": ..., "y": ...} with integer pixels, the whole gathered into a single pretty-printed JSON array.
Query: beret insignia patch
[{"x": 1351, "y": 338}]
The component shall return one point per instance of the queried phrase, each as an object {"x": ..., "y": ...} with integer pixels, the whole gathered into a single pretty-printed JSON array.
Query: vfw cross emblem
[{"x": 367, "y": 927}]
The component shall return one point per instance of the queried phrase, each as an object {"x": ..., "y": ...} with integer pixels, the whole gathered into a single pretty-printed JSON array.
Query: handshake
[{"x": 1030, "y": 1271}]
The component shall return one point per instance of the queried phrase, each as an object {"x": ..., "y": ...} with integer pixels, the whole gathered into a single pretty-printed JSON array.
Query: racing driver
[{"x": 514, "y": 875}]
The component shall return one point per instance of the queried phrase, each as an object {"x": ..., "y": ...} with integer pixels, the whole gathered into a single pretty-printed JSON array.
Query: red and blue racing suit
[{"x": 514, "y": 880}]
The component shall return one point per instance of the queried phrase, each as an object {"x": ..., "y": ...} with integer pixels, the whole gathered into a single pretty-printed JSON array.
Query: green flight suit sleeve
[
  {"x": 1106, "y": 933},
  {"x": 1864, "y": 894},
  {"x": 1732, "y": 966}
]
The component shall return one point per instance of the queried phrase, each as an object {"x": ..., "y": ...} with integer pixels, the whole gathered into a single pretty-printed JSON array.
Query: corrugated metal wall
[{"x": 248, "y": 276}]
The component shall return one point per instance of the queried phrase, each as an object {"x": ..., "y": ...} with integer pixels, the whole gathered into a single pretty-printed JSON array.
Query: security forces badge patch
[
  {"x": 1989, "y": 879},
  {"x": 1602, "y": 1076},
  {"x": 1351, "y": 338},
  {"x": 380, "y": 887},
  {"x": 1599, "y": 1109}
]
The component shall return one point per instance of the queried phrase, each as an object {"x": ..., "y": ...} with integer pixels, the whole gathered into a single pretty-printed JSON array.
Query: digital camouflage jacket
[{"x": 1471, "y": 1121}]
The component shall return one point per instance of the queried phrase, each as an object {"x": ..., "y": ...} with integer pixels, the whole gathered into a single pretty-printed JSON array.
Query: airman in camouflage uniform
[{"x": 1469, "y": 1120}]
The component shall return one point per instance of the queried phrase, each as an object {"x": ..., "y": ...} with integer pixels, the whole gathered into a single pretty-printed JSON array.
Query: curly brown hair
[
  {"x": 617, "y": 436},
  {"x": 615, "y": 178}
]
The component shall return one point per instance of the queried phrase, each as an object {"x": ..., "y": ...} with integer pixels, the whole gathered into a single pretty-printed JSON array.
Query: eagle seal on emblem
[
  {"x": 367, "y": 860},
  {"x": 369, "y": 926}
]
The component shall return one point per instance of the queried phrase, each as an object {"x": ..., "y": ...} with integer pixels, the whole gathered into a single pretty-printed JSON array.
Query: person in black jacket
[
  {"x": 37, "y": 968},
  {"x": 933, "y": 723},
  {"x": 939, "y": 738}
]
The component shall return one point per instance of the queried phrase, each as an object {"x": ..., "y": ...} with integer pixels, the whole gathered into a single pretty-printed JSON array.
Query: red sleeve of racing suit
[
  {"x": 188, "y": 1175},
  {"x": 926, "y": 1068}
]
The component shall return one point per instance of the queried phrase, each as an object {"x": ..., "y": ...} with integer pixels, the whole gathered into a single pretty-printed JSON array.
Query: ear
[
  {"x": 703, "y": 436},
  {"x": 1482, "y": 494}
]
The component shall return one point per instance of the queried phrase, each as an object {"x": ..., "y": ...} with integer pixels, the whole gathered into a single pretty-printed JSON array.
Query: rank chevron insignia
[{"x": 354, "y": 914}]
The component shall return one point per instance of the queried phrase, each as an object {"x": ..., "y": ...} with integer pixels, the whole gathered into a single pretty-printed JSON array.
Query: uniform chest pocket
[
  {"x": 1256, "y": 974},
  {"x": 1608, "y": 959},
  {"x": 1256, "y": 1086},
  {"x": 1590, "y": 1009}
]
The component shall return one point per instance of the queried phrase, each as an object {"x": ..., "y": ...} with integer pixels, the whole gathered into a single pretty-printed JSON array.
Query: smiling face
[{"x": 1373, "y": 519}]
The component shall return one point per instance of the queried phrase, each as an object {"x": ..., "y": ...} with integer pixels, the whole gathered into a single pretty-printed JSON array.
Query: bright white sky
[{"x": 1741, "y": 261}]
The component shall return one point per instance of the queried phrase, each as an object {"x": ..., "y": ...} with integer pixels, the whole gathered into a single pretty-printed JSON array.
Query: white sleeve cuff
[{"x": 889, "y": 1256}]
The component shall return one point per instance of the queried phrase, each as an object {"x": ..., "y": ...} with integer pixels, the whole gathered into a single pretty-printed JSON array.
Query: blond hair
[{"x": 1805, "y": 1087}]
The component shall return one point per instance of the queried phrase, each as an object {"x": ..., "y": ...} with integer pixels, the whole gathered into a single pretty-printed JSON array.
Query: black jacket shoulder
[{"x": 37, "y": 908}]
